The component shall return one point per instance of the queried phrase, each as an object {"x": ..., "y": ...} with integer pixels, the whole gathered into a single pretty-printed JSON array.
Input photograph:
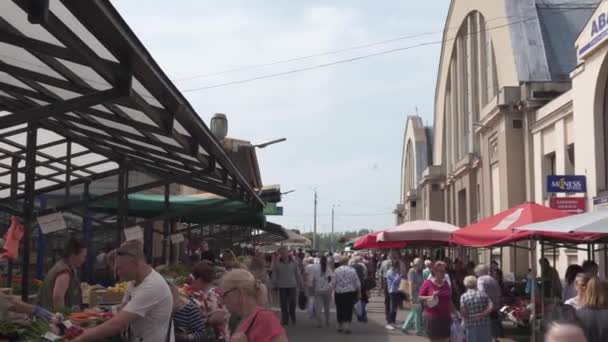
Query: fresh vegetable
[{"x": 72, "y": 332}]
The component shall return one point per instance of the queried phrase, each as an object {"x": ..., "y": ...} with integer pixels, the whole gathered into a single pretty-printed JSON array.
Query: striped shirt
[{"x": 188, "y": 320}]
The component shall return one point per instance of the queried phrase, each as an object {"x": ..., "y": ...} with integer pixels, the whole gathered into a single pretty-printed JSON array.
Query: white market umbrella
[
  {"x": 419, "y": 231},
  {"x": 295, "y": 238},
  {"x": 591, "y": 222}
]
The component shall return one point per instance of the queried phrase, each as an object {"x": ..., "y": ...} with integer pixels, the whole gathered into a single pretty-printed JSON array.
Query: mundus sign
[{"x": 570, "y": 184}]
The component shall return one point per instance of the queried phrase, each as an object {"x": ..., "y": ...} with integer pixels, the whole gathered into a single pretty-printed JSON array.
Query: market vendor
[
  {"x": 145, "y": 314},
  {"x": 61, "y": 286},
  {"x": 10, "y": 303}
]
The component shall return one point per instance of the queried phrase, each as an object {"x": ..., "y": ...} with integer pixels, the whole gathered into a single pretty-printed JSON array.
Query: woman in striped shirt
[{"x": 187, "y": 320}]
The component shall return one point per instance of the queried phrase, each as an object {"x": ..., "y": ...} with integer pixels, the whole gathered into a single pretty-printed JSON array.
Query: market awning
[
  {"x": 369, "y": 241},
  {"x": 196, "y": 209},
  {"x": 80, "y": 92},
  {"x": 421, "y": 232},
  {"x": 591, "y": 222},
  {"x": 500, "y": 229}
]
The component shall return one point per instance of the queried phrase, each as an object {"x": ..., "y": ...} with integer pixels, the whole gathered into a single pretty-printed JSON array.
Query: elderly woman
[
  {"x": 475, "y": 307},
  {"x": 436, "y": 294},
  {"x": 347, "y": 291},
  {"x": 487, "y": 284}
]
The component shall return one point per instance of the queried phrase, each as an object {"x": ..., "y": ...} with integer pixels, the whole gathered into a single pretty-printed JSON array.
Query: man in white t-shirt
[{"x": 145, "y": 313}]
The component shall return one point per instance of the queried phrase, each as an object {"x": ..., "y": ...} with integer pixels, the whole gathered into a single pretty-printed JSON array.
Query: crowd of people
[{"x": 225, "y": 299}]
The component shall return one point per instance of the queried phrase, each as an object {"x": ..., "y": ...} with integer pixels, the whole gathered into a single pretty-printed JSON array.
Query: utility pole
[
  {"x": 333, "y": 206},
  {"x": 314, "y": 232}
]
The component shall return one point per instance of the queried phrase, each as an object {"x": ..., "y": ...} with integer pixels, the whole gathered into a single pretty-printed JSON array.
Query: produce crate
[{"x": 104, "y": 297}]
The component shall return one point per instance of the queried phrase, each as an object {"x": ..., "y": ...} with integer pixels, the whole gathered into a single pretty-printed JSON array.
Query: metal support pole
[
  {"x": 122, "y": 202},
  {"x": 28, "y": 204},
  {"x": 88, "y": 236},
  {"x": 149, "y": 241},
  {"x": 605, "y": 261},
  {"x": 554, "y": 255},
  {"x": 166, "y": 224},
  {"x": 14, "y": 182},
  {"x": 314, "y": 232},
  {"x": 68, "y": 169},
  {"x": 40, "y": 249},
  {"x": 535, "y": 321}
]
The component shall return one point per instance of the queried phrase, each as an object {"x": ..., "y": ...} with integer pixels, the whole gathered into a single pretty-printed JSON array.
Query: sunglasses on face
[
  {"x": 125, "y": 253},
  {"x": 225, "y": 294}
]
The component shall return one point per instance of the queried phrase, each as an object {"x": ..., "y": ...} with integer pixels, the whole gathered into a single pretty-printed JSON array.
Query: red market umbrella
[
  {"x": 369, "y": 241},
  {"x": 500, "y": 228}
]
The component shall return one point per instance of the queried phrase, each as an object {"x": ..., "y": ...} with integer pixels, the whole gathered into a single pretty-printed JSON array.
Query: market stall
[
  {"x": 88, "y": 116},
  {"x": 501, "y": 230}
]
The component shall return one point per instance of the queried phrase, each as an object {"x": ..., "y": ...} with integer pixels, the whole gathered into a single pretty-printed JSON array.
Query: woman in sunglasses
[{"x": 245, "y": 296}]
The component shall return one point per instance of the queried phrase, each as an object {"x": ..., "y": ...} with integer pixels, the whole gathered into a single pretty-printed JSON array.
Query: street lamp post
[{"x": 314, "y": 232}]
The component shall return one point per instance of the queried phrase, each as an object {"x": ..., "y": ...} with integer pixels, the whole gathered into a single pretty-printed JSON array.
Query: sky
[{"x": 344, "y": 123}]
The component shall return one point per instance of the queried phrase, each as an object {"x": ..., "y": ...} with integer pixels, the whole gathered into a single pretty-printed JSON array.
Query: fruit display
[{"x": 119, "y": 287}]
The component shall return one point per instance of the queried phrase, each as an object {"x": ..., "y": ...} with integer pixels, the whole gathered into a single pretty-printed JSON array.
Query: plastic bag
[
  {"x": 456, "y": 331},
  {"x": 302, "y": 300},
  {"x": 310, "y": 311},
  {"x": 360, "y": 311}
]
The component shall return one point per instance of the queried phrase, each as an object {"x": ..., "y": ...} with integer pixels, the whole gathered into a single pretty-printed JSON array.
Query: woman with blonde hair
[
  {"x": 580, "y": 283},
  {"x": 230, "y": 260},
  {"x": 593, "y": 313},
  {"x": 259, "y": 269},
  {"x": 243, "y": 295}
]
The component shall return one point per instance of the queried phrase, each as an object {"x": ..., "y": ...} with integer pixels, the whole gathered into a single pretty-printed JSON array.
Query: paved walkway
[{"x": 374, "y": 330}]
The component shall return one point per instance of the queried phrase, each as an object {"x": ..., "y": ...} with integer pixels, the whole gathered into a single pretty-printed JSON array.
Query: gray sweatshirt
[{"x": 285, "y": 274}]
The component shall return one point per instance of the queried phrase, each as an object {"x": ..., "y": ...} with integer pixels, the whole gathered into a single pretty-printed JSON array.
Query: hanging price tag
[
  {"x": 51, "y": 223},
  {"x": 177, "y": 238},
  {"x": 134, "y": 233}
]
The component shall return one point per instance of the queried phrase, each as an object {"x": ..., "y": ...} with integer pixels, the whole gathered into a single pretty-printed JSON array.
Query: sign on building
[
  {"x": 595, "y": 32},
  {"x": 567, "y": 184},
  {"x": 573, "y": 205}
]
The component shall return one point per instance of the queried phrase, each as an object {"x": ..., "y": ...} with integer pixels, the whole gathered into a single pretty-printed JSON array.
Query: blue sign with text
[{"x": 566, "y": 184}]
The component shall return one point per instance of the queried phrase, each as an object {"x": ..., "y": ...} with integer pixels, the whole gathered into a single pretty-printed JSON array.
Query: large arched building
[{"x": 506, "y": 112}]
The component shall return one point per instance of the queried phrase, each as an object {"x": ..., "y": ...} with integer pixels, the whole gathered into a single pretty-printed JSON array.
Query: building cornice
[
  {"x": 467, "y": 164},
  {"x": 548, "y": 120}
]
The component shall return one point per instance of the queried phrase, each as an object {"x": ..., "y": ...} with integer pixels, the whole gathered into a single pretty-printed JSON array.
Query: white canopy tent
[{"x": 591, "y": 222}]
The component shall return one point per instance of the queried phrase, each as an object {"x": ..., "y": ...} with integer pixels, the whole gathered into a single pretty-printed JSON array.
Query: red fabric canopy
[
  {"x": 369, "y": 241},
  {"x": 499, "y": 229}
]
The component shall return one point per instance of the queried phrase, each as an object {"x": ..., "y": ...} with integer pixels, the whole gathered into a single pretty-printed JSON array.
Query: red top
[
  {"x": 499, "y": 229},
  {"x": 261, "y": 326},
  {"x": 444, "y": 308}
]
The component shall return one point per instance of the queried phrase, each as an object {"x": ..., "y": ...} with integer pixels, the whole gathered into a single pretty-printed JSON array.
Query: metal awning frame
[{"x": 117, "y": 124}]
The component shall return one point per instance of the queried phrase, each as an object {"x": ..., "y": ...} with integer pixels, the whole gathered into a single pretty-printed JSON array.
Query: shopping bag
[
  {"x": 310, "y": 311},
  {"x": 302, "y": 300},
  {"x": 404, "y": 286},
  {"x": 360, "y": 311}
]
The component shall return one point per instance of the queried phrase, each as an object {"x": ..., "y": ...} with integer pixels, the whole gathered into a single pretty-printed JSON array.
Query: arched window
[{"x": 471, "y": 84}]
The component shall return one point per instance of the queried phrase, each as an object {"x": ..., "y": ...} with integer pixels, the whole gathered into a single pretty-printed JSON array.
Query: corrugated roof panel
[{"x": 560, "y": 27}]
